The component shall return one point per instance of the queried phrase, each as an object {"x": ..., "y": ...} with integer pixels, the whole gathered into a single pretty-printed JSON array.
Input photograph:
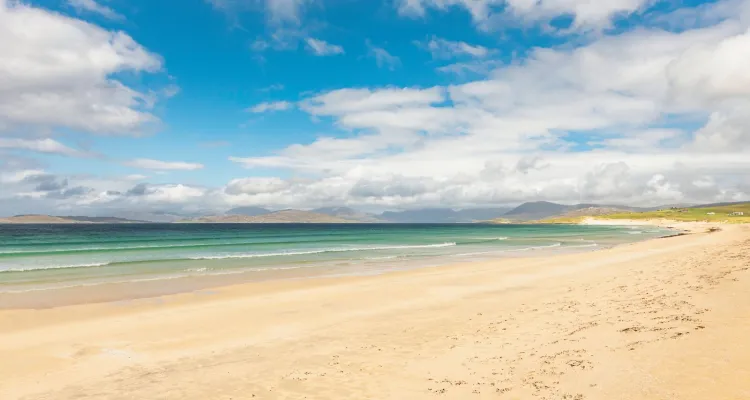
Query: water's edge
[{"x": 154, "y": 288}]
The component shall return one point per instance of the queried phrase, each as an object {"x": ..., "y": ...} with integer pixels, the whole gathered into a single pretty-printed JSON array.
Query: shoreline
[
  {"x": 158, "y": 287},
  {"x": 668, "y": 314}
]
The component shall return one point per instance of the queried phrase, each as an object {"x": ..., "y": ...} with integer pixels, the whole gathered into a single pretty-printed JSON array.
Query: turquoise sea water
[{"x": 42, "y": 257}]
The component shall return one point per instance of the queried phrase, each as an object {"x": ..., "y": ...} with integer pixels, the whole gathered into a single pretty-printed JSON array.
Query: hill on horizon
[
  {"x": 276, "y": 217},
  {"x": 249, "y": 211},
  {"x": 537, "y": 210},
  {"x": 51, "y": 219},
  {"x": 443, "y": 215},
  {"x": 735, "y": 212},
  {"x": 348, "y": 213},
  {"x": 529, "y": 211}
]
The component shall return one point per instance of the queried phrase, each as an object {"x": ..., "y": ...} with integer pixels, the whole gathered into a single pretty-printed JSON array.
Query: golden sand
[{"x": 663, "y": 319}]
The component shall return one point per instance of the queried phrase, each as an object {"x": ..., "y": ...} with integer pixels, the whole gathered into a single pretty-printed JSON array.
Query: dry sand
[{"x": 663, "y": 319}]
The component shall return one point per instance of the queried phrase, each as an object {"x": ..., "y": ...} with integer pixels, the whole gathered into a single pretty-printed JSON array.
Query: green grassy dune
[{"x": 709, "y": 214}]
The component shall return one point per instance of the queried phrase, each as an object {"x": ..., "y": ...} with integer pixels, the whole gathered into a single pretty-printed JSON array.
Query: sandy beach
[{"x": 663, "y": 319}]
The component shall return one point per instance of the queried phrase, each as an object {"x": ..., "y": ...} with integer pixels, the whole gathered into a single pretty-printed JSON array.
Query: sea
[{"x": 38, "y": 258}]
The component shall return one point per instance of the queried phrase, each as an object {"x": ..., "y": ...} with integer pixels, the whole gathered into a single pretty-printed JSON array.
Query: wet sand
[{"x": 662, "y": 319}]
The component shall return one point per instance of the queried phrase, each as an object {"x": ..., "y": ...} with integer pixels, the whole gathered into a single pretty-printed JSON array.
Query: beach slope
[{"x": 663, "y": 319}]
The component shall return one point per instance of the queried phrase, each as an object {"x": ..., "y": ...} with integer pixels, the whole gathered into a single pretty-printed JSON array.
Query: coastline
[
  {"x": 194, "y": 280},
  {"x": 666, "y": 314}
]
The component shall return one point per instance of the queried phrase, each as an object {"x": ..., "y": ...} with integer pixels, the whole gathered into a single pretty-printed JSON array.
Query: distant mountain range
[
  {"x": 543, "y": 209},
  {"x": 151, "y": 216},
  {"x": 443, "y": 215},
  {"x": 248, "y": 211},
  {"x": 530, "y": 211},
  {"x": 48, "y": 219},
  {"x": 431, "y": 215},
  {"x": 277, "y": 217},
  {"x": 348, "y": 214}
]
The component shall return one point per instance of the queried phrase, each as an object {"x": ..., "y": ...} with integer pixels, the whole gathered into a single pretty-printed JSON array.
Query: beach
[{"x": 665, "y": 318}]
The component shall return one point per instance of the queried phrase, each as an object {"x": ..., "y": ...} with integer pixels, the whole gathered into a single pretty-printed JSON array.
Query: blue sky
[{"x": 213, "y": 104}]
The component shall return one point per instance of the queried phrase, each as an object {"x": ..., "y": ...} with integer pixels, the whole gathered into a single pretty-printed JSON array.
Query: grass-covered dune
[{"x": 723, "y": 213}]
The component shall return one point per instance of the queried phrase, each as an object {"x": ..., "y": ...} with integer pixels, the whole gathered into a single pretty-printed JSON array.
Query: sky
[{"x": 200, "y": 106}]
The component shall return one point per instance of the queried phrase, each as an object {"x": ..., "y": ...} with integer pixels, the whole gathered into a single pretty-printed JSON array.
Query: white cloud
[
  {"x": 586, "y": 14},
  {"x": 18, "y": 175},
  {"x": 270, "y": 106},
  {"x": 382, "y": 57},
  {"x": 346, "y": 101},
  {"x": 525, "y": 133},
  {"x": 644, "y": 117},
  {"x": 172, "y": 194},
  {"x": 49, "y": 146},
  {"x": 726, "y": 130},
  {"x": 56, "y": 71},
  {"x": 254, "y": 186},
  {"x": 146, "y": 163},
  {"x": 93, "y": 6},
  {"x": 323, "y": 48},
  {"x": 479, "y": 9},
  {"x": 445, "y": 49}
]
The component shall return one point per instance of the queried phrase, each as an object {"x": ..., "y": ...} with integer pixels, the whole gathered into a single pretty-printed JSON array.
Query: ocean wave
[
  {"x": 158, "y": 239},
  {"x": 635, "y": 232},
  {"x": 535, "y": 248},
  {"x": 582, "y": 246},
  {"x": 477, "y": 253},
  {"x": 226, "y": 256},
  {"x": 64, "y": 266},
  {"x": 105, "y": 249},
  {"x": 512, "y": 250},
  {"x": 381, "y": 258},
  {"x": 127, "y": 248},
  {"x": 320, "y": 251}
]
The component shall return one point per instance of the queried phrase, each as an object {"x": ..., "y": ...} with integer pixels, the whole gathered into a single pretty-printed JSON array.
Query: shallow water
[{"x": 40, "y": 257}]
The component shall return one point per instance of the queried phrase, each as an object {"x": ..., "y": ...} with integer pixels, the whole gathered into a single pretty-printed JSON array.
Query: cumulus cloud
[
  {"x": 254, "y": 186},
  {"x": 49, "y": 146},
  {"x": 648, "y": 116},
  {"x": 57, "y": 71},
  {"x": 171, "y": 193},
  {"x": 727, "y": 129},
  {"x": 351, "y": 101},
  {"x": 529, "y": 163},
  {"x": 579, "y": 124},
  {"x": 45, "y": 182},
  {"x": 146, "y": 163},
  {"x": 586, "y": 14}
]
